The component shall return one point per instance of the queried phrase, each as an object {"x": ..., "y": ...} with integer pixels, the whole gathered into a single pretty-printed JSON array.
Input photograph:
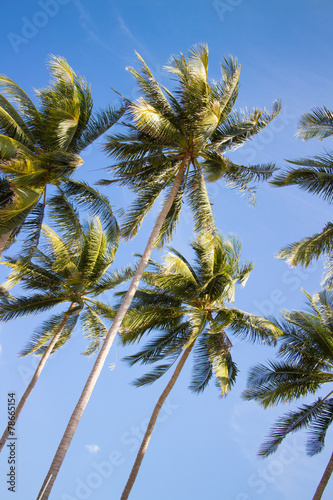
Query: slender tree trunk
[
  {"x": 152, "y": 422},
  {"x": 36, "y": 375},
  {"x": 324, "y": 480},
  {"x": 100, "y": 360},
  {"x": 3, "y": 240}
]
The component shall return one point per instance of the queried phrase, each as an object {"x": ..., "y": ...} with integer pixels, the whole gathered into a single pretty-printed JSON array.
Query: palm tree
[
  {"x": 75, "y": 272},
  {"x": 41, "y": 147},
  {"x": 175, "y": 142},
  {"x": 314, "y": 175},
  {"x": 305, "y": 365},
  {"x": 189, "y": 305}
]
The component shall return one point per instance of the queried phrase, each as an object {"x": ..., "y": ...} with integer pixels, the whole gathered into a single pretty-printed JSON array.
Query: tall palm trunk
[
  {"x": 152, "y": 422},
  {"x": 36, "y": 375},
  {"x": 3, "y": 240},
  {"x": 324, "y": 480},
  {"x": 100, "y": 360}
]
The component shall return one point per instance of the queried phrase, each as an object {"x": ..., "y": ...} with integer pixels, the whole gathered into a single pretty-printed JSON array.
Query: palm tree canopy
[
  {"x": 63, "y": 271},
  {"x": 304, "y": 365},
  {"x": 187, "y": 303},
  {"x": 41, "y": 147},
  {"x": 196, "y": 124}
]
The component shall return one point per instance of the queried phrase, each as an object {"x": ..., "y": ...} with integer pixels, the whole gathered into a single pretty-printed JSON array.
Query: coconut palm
[
  {"x": 305, "y": 364},
  {"x": 192, "y": 308},
  {"x": 175, "y": 142},
  {"x": 40, "y": 147},
  {"x": 314, "y": 175},
  {"x": 76, "y": 272}
]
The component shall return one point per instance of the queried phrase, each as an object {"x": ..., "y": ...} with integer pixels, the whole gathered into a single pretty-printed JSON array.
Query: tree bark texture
[
  {"x": 324, "y": 480},
  {"x": 152, "y": 422}
]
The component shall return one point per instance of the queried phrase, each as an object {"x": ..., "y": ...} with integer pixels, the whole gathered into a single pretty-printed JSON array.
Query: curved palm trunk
[
  {"x": 36, "y": 375},
  {"x": 3, "y": 240},
  {"x": 100, "y": 360},
  {"x": 324, "y": 480},
  {"x": 152, "y": 422}
]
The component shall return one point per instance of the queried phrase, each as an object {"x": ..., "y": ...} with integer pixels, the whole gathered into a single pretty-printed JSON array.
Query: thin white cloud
[
  {"x": 89, "y": 26},
  {"x": 130, "y": 35},
  {"x": 92, "y": 448}
]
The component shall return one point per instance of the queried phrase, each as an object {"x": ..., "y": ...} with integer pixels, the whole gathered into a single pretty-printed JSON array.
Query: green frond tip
[
  {"x": 310, "y": 248},
  {"x": 316, "y": 124}
]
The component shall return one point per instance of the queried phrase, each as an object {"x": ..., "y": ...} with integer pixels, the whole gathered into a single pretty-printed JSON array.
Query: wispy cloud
[
  {"x": 90, "y": 27},
  {"x": 92, "y": 448},
  {"x": 126, "y": 30}
]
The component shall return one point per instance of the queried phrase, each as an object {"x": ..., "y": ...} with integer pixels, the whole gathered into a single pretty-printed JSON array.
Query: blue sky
[{"x": 204, "y": 447}]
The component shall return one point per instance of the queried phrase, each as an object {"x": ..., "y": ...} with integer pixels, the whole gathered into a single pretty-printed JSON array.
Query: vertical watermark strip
[{"x": 11, "y": 445}]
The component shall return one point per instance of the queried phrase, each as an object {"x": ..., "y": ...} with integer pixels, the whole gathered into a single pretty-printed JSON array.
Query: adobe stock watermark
[
  {"x": 102, "y": 470},
  {"x": 224, "y": 7},
  {"x": 267, "y": 475},
  {"x": 31, "y": 26}
]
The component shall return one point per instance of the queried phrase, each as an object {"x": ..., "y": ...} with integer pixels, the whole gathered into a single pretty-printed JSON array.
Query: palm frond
[
  {"x": 65, "y": 216},
  {"x": 94, "y": 329},
  {"x": 200, "y": 204},
  {"x": 33, "y": 227},
  {"x": 313, "y": 176},
  {"x": 45, "y": 333},
  {"x": 310, "y": 248},
  {"x": 317, "y": 124},
  {"x": 202, "y": 368},
  {"x": 94, "y": 202},
  {"x": 318, "y": 428},
  {"x": 253, "y": 327},
  {"x": 98, "y": 124},
  {"x": 171, "y": 220},
  {"x": 155, "y": 374},
  {"x": 282, "y": 382},
  {"x": 290, "y": 422},
  {"x": 35, "y": 304}
]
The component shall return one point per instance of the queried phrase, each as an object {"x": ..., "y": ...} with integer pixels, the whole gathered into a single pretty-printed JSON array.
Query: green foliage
[
  {"x": 72, "y": 271},
  {"x": 195, "y": 124},
  {"x": 189, "y": 303},
  {"x": 305, "y": 365},
  {"x": 318, "y": 124},
  {"x": 40, "y": 147},
  {"x": 314, "y": 175}
]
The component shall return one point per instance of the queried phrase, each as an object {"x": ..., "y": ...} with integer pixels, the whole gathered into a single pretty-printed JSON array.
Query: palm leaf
[
  {"x": 309, "y": 248},
  {"x": 317, "y": 124}
]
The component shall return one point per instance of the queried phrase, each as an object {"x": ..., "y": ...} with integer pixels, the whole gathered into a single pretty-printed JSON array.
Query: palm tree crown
[
  {"x": 193, "y": 127},
  {"x": 75, "y": 272},
  {"x": 41, "y": 147},
  {"x": 189, "y": 304}
]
